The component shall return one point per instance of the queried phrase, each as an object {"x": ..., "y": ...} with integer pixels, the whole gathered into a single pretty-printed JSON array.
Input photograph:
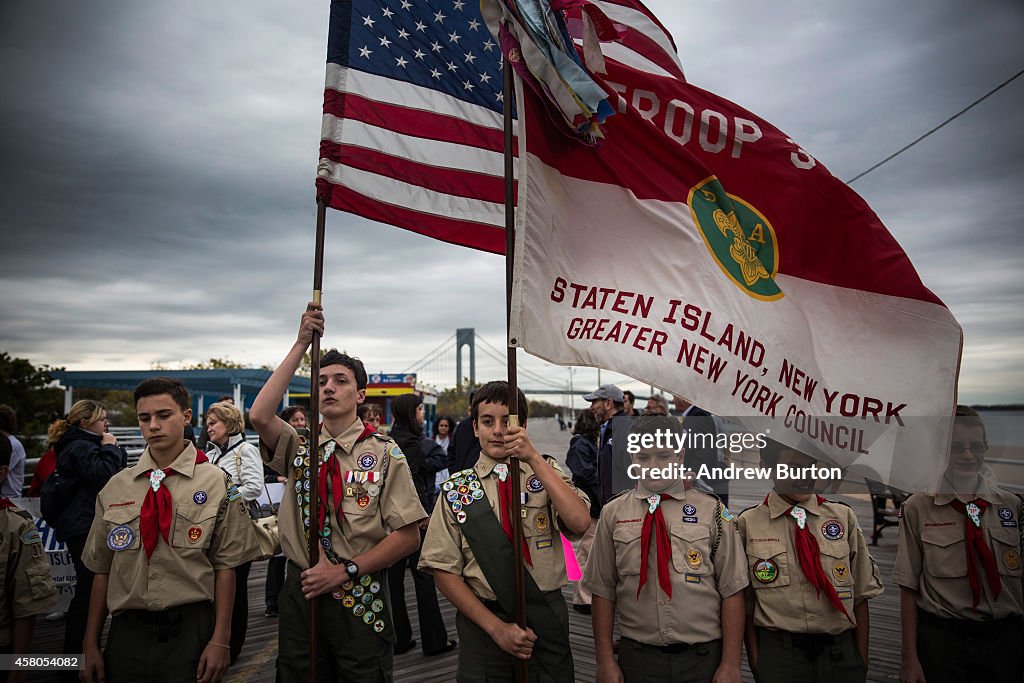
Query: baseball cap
[{"x": 605, "y": 391}]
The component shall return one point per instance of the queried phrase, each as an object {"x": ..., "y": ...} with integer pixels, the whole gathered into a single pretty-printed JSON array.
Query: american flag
[{"x": 412, "y": 128}]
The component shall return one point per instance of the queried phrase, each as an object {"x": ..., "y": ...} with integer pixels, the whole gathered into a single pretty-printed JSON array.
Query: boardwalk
[{"x": 256, "y": 662}]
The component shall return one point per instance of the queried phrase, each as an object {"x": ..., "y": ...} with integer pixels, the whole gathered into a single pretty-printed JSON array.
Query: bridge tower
[{"x": 465, "y": 336}]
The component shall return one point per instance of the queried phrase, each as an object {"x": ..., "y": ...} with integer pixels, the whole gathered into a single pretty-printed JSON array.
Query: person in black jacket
[
  {"x": 463, "y": 446},
  {"x": 582, "y": 461},
  {"x": 87, "y": 457},
  {"x": 407, "y": 431}
]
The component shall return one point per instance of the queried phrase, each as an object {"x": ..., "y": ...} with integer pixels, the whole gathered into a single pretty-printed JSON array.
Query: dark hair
[
  {"x": 969, "y": 417},
  {"x": 155, "y": 386},
  {"x": 8, "y": 419},
  {"x": 335, "y": 357},
  {"x": 632, "y": 396},
  {"x": 404, "y": 412},
  {"x": 5, "y": 450},
  {"x": 364, "y": 409},
  {"x": 647, "y": 424},
  {"x": 586, "y": 424},
  {"x": 497, "y": 392},
  {"x": 288, "y": 413},
  {"x": 225, "y": 397},
  {"x": 449, "y": 420}
]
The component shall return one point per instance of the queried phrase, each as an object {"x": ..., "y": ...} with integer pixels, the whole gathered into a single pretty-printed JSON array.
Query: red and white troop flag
[{"x": 701, "y": 250}]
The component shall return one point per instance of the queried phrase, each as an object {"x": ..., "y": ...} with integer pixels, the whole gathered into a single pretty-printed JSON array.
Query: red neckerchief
[
  {"x": 4, "y": 504},
  {"x": 978, "y": 551},
  {"x": 505, "y": 503},
  {"x": 655, "y": 523},
  {"x": 157, "y": 511},
  {"x": 332, "y": 470},
  {"x": 809, "y": 554}
]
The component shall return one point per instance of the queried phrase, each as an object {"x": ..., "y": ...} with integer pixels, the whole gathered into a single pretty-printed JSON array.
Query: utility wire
[{"x": 951, "y": 118}]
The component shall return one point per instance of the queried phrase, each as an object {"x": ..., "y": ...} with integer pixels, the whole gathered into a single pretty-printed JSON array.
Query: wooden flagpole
[
  {"x": 513, "y": 386},
  {"x": 313, "y": 545}
]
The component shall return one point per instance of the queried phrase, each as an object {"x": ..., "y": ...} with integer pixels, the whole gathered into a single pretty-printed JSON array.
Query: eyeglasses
[{"x": 958, "y": 447}]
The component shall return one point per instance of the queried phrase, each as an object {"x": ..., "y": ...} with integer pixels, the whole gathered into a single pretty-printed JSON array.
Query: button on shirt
[
  {"x": 445, "y": 547},
  {"x": 699, "y": 581},
  {"x": 208, "y": 531},
  {"x": 932, "y": 555},
  {"x": 780, "y": 595},
  {"x": 363, "y": 526}
]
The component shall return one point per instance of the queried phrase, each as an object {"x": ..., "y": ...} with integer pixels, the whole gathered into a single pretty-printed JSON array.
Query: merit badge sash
[{"x": 493, "y": 552}]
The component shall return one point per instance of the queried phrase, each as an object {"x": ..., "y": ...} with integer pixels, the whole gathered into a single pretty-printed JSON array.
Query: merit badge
[
  {"x": 694, "y": 558},
  {"x": 365, "y": 580},
  {"x": 474, "y": 485},
  {"x": 359, "y": 610},
  {"x": 367, "y": 461},
  {"x": 766, "y": 571},
  {"x": 544, "y": 543},
  {"x": 654, "y": 501},
  {"x": 367, "y": 598},
  {"x": 452, "y": 496},
  {"x": 358, "y": 591},
  {"x": 466, "y": 499},
  {"x": 375, "y": 588},
  {"x": 194, "y": 533},
  {"x": 369, "y": 618},
  {"x": 298, "y": 461},
  {"x": 541, "y": 522},
  {"x": 347, "y": 586},
  {"x": 199, "y": 497},
  {"x": 339, "y": 594},
  {"x": 1011, "y": 558},
  {"x": 377, "y": 605},
  {"x": 373, "y": 490},
  {"x": 120, "y": 537},
  {"x": 362, "y": 502},
  {"x": 832, "y": 530},
  {"x": 533, "y": 484},
  {"x": 326, "y": 543},
  {"x": 800, "y": 515},
  {"x": 447, "y": 486},
  {"x": 155, "y": 477},
  {"x": 298, "y": 487},
  {"x": 456, "y": 506},
  {"x": 840, "y": 571},
  {"x": 378, "y": 625},
  {"x": 478, "y": 494},
  {"x": 305, "y": 472},
  {"x": 463, "y": 490},
  {"x": 396, "y": 452},
  {"x": 689, "y": 510},
  {"x": 974, "y": 512},
  {"x": 460, "y": 517},
  {"x": 305, "y": 485}
]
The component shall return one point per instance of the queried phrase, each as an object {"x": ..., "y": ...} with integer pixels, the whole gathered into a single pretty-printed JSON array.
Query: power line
[
  {"x": 951, "y": 118},
  {"x": 430, "y": 355}
]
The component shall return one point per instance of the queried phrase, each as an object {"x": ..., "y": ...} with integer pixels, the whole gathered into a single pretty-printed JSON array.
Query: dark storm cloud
[{"x": 157, "y": 164}]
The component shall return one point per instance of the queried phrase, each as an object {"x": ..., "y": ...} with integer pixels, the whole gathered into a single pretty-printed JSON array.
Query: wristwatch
[{"x": 352, "y": 569}]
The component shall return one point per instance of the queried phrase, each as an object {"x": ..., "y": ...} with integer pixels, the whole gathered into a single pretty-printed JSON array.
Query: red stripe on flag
[
  {"x": 466, "y": 233},
  {"x": 449, "y": 181}
]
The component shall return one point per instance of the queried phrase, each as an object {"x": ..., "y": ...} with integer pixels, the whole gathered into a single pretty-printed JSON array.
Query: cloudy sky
[{"x": 157, "y": 164}]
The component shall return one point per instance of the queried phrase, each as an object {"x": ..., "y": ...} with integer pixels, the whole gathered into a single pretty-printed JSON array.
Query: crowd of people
[{"x": 165, "y": 547}]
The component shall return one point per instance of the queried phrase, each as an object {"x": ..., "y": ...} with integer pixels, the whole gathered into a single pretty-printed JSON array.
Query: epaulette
[
  {"x": 619, "y": 494},
  {"x": 752, "y": 507},
  {"x": 21, "y": 513},
  {"x": 382, "y": 437}
]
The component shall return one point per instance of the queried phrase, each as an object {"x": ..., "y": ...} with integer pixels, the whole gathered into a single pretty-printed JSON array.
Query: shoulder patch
[
  {"x": 726, "y": 515},
  {"x": 396, "y": 452},
  {"x": 31, "y": 536},
  {"x": 233, "y": 493}
]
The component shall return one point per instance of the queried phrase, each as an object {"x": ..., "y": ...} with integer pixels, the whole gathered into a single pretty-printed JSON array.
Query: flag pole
[
  {"x": 313, "y": 543},
  {"x": 513, "y": 387}
]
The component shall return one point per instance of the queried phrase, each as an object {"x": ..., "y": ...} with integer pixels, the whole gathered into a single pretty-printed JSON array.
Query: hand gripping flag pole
[
  {"x": 313, "y": 541},
  {"x": 513, "y": 387}
]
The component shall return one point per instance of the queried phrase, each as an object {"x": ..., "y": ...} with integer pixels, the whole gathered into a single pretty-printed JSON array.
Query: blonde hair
[
  {"x": 82, "y": 413},
  {"x": 230, "y": 415}
]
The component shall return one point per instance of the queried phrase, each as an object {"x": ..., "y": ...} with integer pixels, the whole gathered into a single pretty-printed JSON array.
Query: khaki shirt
[
  {"x": 25, "y": 582},
  {"x": 780, "y": 595},
  {"x": 446, "y": 548},
  {"x": 210, "y": 530},
  {"x": 366, "y": 519},
  {"x": 932, "y": 557},
  {"x": 699, "y": 581}
]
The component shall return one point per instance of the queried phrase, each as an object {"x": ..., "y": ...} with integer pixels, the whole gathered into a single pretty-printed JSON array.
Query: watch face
[{"x": 352, "y": 569}]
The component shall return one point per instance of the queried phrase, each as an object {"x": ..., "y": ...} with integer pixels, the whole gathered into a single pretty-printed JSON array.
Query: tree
[
  {"x": 455, "y": 400},
  {"x": 213, "y": 364},
  {"x": 25, "y": 388}
]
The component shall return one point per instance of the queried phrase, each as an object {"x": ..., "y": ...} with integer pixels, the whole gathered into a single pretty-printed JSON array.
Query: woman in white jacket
[{"x": 229, "y": 450}]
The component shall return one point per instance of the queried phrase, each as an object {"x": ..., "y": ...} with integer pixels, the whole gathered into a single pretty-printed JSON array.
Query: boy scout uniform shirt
[
  {"x": 932, "y": 557},
  {"x": 24, "y": 571},
  {"x": 699, "y": 581},
  {"x": 781, "y": 596},
  {"x": 445, "y": 547},
  {"x": 363, "y": 526},
  {"x": 210, "y": 530}
]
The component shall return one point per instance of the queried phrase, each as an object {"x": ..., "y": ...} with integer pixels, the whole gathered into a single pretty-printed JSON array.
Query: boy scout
[
  {"x": 369, "y": 515},
  {"x": 810, "y": 579},
  {"x": 468, "y": 549},
  {"x": 666, "y": 557},
  {"x": 25, "y": 582},
  {"x": 958, "y": 566},
  {"x": 167, "y": 535}
]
